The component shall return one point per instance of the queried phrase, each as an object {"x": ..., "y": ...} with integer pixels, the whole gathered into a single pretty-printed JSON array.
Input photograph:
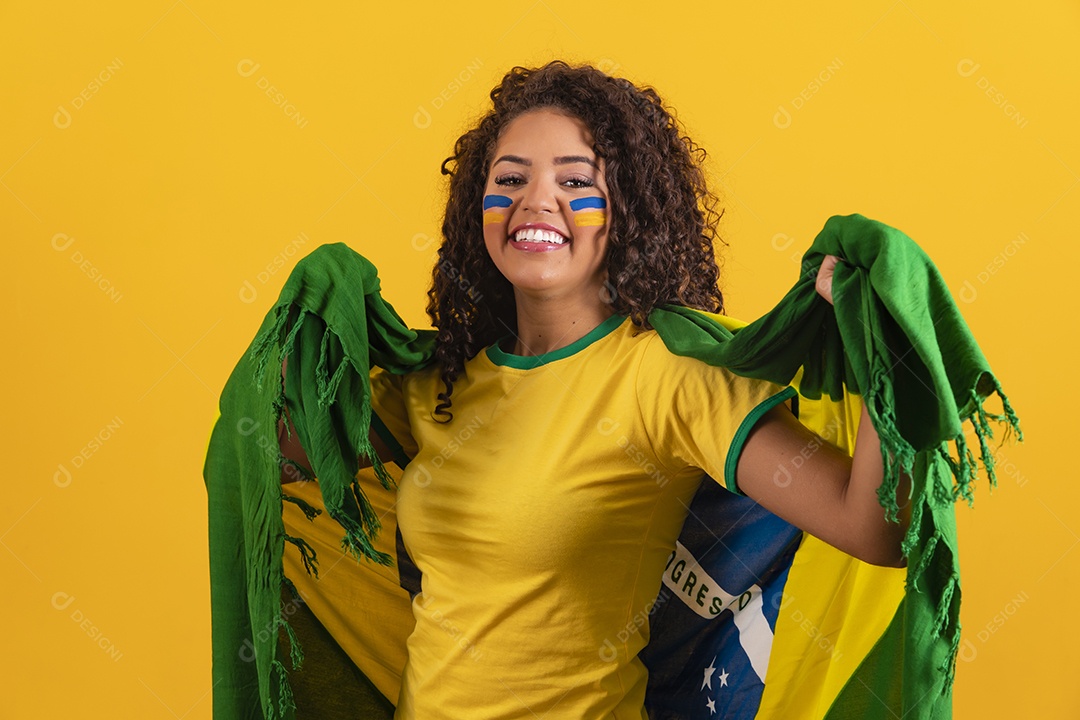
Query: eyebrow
[{"x": 561, "y": 160}]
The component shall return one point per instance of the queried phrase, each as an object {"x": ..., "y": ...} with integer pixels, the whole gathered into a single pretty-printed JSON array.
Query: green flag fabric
[{"x": 894, "y": 336}]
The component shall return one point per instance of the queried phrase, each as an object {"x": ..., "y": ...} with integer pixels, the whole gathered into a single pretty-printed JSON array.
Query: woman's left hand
[{"x": 823, "y": 284}]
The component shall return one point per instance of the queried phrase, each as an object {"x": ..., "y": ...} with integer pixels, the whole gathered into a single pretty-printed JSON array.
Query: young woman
[{"x": 556, "y": 444}]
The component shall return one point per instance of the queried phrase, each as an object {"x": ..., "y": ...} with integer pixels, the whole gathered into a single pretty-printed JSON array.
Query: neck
[{"x": 548, "y": 324}]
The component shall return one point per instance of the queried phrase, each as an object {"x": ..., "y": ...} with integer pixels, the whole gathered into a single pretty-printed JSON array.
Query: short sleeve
[
  {"x": 697, "y": 415},
  {"x": 390, "y": 418}
]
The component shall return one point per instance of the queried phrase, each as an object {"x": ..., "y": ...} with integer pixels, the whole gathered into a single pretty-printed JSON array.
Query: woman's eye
[{"x": 516, "y": 180}]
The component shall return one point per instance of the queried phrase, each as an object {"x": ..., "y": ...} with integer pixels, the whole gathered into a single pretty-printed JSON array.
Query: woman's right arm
[{"x": 291, "y": 448}]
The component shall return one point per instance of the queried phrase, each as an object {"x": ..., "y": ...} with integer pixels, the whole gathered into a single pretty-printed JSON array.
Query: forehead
[{"x": 546, "y": 129}]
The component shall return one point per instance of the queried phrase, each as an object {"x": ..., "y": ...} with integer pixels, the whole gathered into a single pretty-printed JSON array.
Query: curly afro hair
[{"x": 662, "y": 217}]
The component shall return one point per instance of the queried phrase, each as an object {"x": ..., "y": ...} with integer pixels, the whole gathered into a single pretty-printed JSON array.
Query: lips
[{"x": 537, "y": 237}]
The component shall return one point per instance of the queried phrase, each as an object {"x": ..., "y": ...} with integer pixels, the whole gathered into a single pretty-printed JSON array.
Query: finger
[{"x": 823, "y": 282}]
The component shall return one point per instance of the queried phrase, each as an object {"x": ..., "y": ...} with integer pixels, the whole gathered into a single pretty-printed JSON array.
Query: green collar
[{"x": 528, "y": 362}]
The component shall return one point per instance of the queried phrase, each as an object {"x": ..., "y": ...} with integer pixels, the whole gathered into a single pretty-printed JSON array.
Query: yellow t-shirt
[{"x": 542, "y": 516}]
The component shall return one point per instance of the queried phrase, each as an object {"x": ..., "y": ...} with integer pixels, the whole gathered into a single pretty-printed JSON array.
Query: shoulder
[
  {"x": 387, "y": 386},
  {"x": 660, "y": 366},
  {"x": 687, "y": 385}
]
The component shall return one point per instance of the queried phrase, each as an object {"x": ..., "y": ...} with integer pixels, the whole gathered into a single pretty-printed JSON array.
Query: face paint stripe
[
  {"x": 500, "y": 201},
  {"x": 493, "y": 217},
  {"x": 587, "y": 203},
  {"x": 590, "y": 219}
]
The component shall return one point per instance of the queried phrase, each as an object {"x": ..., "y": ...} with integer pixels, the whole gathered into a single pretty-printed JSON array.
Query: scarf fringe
[
  {"x": 309, "y": 512},
  {"x": 358, "y": 537},
  {"x": 286, "y": 702},
  {"x": 328, "y": 385},
  {"x": 948, "y": 620},
  {"x": 357, "y": 543},
  {"x": 898, "y": 455},
  {"x": 264, "y": 342},
  {"x": 296, "y": 653},
  {"x": 925, "y": 558},
  {"x": 965, "y": 468},
  {"x": 302, "y": 471},
  {"x": 965, "y": 471},
  {"x": 294, "y": 594},
  {"x": 911, "y": 537},
  {"x": 307, "y": 554}
]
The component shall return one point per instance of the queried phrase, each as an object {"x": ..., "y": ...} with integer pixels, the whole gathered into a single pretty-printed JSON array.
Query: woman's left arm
[{"x": 821, "y": 489}]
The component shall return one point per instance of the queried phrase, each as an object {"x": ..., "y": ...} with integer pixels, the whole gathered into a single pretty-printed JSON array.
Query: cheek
[
  {"x": 590, "y": 213},
  {"x": 496, "y": 210},
  {"x": 495, "y": 218},
  {"x": 496, "y": 225},
  {"x": 591, "y": 221},
  {"x": 495, "y": 238}
]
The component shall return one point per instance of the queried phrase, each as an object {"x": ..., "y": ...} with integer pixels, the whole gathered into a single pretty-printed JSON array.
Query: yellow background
[{"x": 155, "y": 196}]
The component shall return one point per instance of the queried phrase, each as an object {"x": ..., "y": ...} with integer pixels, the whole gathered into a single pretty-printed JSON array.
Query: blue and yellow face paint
[
  {"x": 493, "y": 206},
  {"x": 589, "y": 212}
]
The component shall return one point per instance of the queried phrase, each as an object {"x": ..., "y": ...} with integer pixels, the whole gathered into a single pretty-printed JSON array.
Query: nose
[{"x": 540, "y": 195}]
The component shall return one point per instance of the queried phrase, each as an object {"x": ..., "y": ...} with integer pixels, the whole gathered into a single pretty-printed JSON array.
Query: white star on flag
[
  {"x": 723, "y": 677},
  {"x": 712, "y": 707},
  {"x": 707, "y": 682}
]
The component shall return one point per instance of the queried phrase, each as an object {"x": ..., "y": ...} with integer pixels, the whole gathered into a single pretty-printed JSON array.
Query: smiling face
[{"x": 545, "y": 209}]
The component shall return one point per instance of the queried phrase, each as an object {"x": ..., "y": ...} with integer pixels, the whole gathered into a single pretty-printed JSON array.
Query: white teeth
[{"x": 537, "y": 235}]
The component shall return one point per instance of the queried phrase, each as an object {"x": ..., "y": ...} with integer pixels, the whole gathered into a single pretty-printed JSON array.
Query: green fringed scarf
[{"x": 894, "y": 336}]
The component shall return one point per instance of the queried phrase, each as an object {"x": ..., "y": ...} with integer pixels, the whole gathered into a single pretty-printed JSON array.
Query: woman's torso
[{"x": 542, "y": 516}]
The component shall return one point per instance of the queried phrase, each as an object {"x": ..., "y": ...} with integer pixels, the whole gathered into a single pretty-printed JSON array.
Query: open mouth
[{"x": 538, "y": 235}]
